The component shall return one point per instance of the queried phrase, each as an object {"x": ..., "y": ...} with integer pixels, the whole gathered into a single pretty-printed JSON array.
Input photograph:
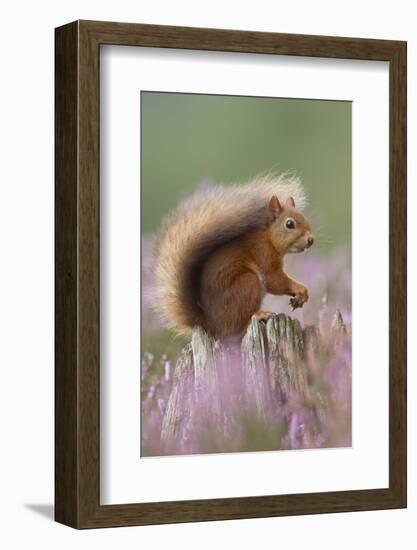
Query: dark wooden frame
[{"x": 77, "y": 274}]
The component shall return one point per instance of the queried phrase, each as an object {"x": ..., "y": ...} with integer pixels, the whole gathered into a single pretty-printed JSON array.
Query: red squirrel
[{"x": 223, "y": 249}]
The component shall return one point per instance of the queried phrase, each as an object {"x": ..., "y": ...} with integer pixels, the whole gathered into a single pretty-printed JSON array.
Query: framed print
[{"x": 230, "y": 274}]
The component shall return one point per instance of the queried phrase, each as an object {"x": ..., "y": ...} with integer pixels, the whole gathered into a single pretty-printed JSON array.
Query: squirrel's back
[{"x": 209, "y": 218}]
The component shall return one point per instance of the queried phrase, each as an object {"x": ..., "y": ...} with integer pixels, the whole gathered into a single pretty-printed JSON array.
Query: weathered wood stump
[{"x": 263, "y": 372}]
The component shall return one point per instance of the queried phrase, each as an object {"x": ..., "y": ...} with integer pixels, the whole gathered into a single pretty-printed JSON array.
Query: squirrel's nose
[{"x": 310, "y": 241}]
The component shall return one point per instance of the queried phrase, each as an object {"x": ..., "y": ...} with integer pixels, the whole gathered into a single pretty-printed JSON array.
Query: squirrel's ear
[
  {"x": 290, "y": 202},
  {"x": 274, "y": 208}
]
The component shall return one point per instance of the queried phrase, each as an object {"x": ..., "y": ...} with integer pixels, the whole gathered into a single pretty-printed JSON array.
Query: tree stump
[{"x": 263, "y": 373}]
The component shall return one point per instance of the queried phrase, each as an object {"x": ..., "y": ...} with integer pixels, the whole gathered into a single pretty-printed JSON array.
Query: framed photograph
[{"x": 230, "y": 274}]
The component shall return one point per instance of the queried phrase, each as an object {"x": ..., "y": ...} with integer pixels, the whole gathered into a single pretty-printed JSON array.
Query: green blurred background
[{"x": 188, "y": 138}]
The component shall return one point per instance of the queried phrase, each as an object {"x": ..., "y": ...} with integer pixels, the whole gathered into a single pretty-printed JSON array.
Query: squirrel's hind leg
[
  {"x": 263, "y": 315},
  {"x": 229, "y": 311}
]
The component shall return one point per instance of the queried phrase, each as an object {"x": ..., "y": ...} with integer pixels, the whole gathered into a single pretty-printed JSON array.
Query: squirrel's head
[{"x": 289, "y": 230}]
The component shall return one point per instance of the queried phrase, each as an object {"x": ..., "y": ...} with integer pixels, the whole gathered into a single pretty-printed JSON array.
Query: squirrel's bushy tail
[{"x": 207, "y": 219}]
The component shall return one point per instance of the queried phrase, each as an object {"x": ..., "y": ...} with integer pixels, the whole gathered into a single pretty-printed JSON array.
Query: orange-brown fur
[
  {"x": 223, "y": 248},
  {"x": 236, "y": 276}
]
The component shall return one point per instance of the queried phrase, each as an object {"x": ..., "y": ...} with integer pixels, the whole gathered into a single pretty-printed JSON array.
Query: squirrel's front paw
[{"x": 299, "y": 299}]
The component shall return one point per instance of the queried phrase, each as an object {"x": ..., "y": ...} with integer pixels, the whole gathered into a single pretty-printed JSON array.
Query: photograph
[
  {"x": 208, "y": 275},
  {"x": 246, "y": 274}
]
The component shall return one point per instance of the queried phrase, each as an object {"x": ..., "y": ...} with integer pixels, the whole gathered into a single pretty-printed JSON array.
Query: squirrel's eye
[{"x": 290, "y": 223}]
